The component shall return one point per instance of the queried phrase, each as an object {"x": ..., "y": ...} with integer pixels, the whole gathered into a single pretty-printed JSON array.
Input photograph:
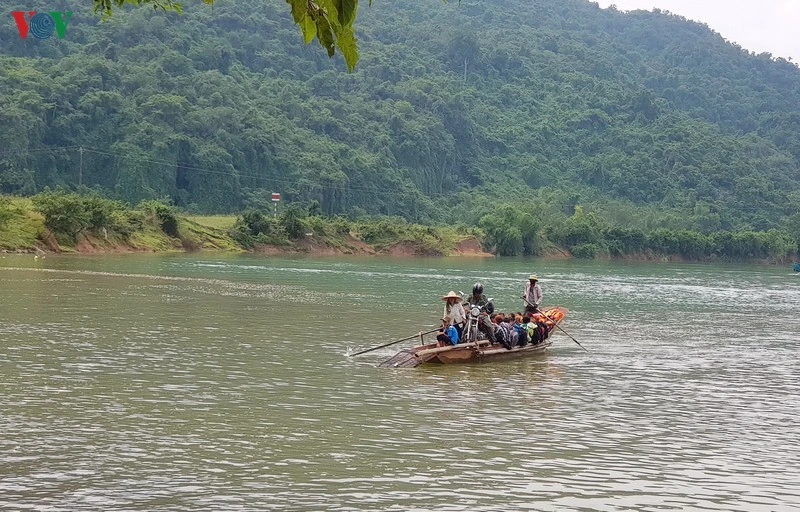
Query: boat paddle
[
  {"x": 393, "y": 342},
  {"x": 555, "y": 323}
]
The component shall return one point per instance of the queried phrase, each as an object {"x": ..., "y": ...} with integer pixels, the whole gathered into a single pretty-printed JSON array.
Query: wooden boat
[{"x": 479, "y": 351}]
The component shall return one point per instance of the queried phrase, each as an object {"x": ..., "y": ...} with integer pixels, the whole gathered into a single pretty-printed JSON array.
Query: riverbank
[
  {"x": 61, "y": 222},
  {"x": 68, "y": 223},
  {"x": 23, "y": 229}
]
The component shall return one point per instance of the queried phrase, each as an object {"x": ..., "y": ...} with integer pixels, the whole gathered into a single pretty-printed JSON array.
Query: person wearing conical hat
[
  {"x": 454, "y": 311},
  {"x": 533, "y": 294}
]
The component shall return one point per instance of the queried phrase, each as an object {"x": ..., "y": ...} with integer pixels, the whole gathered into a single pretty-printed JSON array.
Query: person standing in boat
[
  {"x": 454, "y": 312},
  {"x": 533, "y": 294},
  {"x": 479, "y": 299}
]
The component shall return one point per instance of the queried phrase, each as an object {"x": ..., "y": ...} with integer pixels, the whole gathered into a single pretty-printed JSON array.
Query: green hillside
[{"x": 646, "y": 119}]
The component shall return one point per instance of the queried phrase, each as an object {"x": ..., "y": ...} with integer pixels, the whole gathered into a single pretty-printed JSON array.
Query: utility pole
[
  {"x": 80, "y": 172},
  {"x": 465, "y": 69}
]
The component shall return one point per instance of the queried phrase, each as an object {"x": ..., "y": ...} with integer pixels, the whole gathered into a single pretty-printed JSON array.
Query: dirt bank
[{"x": 470, "y": 247}]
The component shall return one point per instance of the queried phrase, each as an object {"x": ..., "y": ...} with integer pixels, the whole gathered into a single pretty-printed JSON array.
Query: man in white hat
[
  {"x": 454, "y": 311},
  {"x": 533, "y": 294}
]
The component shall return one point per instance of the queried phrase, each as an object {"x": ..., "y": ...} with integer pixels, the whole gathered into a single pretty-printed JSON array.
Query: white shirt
[
  {"x": 533, "y": 294},
  {"x": 455, "y": 313}
]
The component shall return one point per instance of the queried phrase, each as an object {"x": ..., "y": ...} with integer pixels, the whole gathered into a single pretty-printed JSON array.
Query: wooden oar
[
  {"x": 393, "y": 342},
  {"x": 555, "y": 323}
]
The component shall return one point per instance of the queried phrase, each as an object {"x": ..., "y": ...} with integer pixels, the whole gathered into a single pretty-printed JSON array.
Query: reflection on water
[{"x": 195, "y": 382}]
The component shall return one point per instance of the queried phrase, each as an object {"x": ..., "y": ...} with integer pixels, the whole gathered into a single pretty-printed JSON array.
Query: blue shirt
[{"x": 452, "y": 332}]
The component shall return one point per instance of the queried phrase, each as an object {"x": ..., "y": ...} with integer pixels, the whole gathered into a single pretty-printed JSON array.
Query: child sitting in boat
[
  {"x": 522, "y": 332},
  {"x": 506, "y": 334},
  {"x": 530, "y": 328},
  {"x": 537, "y": 328},
  {"x": 447, "y": 335}
]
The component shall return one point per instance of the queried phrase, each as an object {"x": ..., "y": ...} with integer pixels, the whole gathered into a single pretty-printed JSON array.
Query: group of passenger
[
  {"x": 518, "y": 330},
  {"x": 508, "y": 329}
]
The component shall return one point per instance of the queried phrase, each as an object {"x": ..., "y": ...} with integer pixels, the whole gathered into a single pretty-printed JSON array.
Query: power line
[{"x": 42, "y": 150}]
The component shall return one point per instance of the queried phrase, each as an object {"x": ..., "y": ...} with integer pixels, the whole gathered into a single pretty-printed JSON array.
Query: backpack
[
  {"x": 522, "y": 332},
  {"x": 499, "y": 335},
  {"x": 534, "y": 333},
  {"x": 510, "y": 334}
]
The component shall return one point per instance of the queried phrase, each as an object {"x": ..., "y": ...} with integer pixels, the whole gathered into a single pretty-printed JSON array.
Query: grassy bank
[
  {"x": 67, "y": 222},
  {"x": 221, "y": 222},
  {"x": 298, "y": 230},
  {"x": 62, "y": 222},
  {"x": 21, "y": 228}
]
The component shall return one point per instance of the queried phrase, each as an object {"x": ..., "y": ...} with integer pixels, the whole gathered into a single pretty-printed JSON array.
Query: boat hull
[{"x": 489, "y": 353}]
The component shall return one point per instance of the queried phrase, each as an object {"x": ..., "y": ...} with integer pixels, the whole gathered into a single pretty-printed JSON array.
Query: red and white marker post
[{"x": 276, "y": 199}]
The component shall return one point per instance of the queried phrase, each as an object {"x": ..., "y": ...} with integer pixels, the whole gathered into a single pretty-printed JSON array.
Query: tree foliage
[
  {"x": 64, "y": 213},
  {"x": 328, "y": 21},
  {"x": 511, "y": 231},
  {"x": 161, "y": 214}
]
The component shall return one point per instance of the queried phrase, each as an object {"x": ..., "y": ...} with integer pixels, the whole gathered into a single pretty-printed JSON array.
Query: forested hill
[{"x": 646, "y": 118}]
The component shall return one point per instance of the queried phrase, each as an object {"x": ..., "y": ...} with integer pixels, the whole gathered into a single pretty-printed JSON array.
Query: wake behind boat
[{"x": 477, "y": 351}]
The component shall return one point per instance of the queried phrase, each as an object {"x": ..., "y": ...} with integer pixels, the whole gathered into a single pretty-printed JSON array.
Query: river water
[{"x": 221, "y": 382}]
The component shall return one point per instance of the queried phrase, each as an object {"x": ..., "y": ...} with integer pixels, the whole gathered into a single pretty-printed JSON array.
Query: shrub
[
  {"x": 292, "y": 221},
  {"x": 254, "y": 227},
  {"x": 102, "y": 211},
  {"x": 65, "y": 214},
  {"x": 625, "y": 240},
  {"x": 341, "y": 226},
  {"x": 316, "y": 225},
  {"x": 256, "y": 222},
  {"x": 123, "y": 222},
  {"x": 587, "y": 251},
  {"x": 163, "y": 214}
]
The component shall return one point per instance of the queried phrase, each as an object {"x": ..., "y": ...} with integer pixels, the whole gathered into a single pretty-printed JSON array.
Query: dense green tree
[
  {"x": 64, "y": 213},
  {"x": 292, "y": 221},
  {"x": 511, "y": 231}
]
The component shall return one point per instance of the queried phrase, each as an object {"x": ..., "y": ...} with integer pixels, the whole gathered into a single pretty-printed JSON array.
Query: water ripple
[{"x": 227, "y": 389}]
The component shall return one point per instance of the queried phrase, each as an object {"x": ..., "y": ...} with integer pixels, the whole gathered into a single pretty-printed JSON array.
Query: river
[{"x": 221, "y": 382}]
